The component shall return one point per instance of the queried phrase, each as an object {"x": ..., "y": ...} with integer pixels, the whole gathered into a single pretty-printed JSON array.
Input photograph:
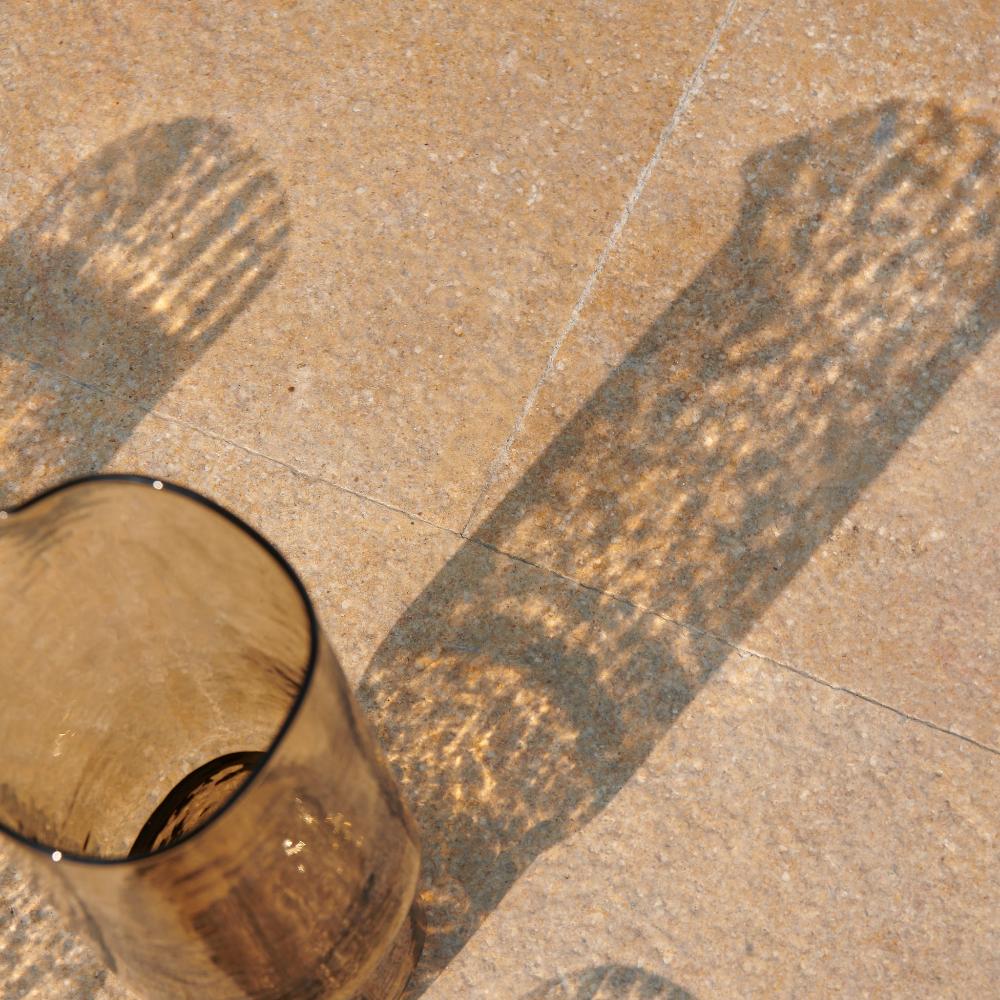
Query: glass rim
[{"x": 51, "y": 852}]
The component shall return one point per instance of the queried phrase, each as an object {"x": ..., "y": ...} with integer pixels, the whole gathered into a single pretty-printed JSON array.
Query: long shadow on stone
[
  {"x": 859, "y": 281},
  {"x": 125, "y": 274}
]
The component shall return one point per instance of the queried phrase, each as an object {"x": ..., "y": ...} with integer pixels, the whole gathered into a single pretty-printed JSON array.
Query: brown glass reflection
[{"x": 183, "y": 765}]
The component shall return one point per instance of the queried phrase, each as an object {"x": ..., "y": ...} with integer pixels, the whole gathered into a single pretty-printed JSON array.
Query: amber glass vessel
[{"x": 182, "y": 762}]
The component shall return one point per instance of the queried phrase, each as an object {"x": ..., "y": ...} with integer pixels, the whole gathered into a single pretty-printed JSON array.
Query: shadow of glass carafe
[
  {"x": 127, "y": 272},
  {"x": 516, "y": 697}
]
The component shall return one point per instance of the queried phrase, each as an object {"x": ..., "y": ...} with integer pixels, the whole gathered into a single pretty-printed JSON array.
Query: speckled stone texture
[{"x": 621, "y": 379}]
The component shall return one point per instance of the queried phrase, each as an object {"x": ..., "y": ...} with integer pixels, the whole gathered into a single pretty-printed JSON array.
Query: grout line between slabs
[
  {"x": 690, "y": 90},
  {"x": 805, "y": 674},
  {"x": 302, "y": 473},
  {"x": 222, "y": 439},
  {"x": 864, "y": 697}
]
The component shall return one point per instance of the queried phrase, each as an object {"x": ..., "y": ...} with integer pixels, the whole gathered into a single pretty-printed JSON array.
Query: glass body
[{"x": 182, "y": 762}]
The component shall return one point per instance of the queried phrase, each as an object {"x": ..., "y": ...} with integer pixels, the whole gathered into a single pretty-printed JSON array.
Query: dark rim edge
[{"x": 293, "y": 709}]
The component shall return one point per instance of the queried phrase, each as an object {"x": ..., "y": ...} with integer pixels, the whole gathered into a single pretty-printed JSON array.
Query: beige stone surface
[{"x": 314, "y": 265}]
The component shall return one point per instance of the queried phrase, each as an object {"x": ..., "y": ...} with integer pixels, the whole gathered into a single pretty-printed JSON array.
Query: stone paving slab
[{"x": 421, "y": 190}]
